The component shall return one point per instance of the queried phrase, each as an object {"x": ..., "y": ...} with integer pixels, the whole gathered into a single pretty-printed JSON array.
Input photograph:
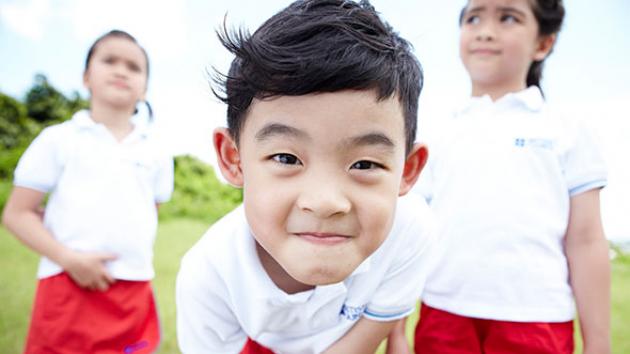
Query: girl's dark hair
[
  {"x": 549, "y": 14},
  {"x": 119, "y": 34},
  {"x": 319, "y": 46}
]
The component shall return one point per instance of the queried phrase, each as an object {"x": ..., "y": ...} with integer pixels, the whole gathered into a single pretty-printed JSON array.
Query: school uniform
[
  {"x": 499, "y": 179},
  {"x": 224, "y": 296},
  {"x": 102, "y": 199}
]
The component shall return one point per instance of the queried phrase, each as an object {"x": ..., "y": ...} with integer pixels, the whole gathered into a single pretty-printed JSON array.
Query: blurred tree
[
  {"x": 15, "y": 125},
  {"x": 198, "y": 193},
  {"x": 47, "y": 105}
]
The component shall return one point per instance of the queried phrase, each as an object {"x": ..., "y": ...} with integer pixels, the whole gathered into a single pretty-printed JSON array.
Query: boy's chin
[{"x": 317, "y": 276}]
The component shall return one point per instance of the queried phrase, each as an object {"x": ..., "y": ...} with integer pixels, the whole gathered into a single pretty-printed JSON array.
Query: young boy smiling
[{"x": 323, "y": 256}]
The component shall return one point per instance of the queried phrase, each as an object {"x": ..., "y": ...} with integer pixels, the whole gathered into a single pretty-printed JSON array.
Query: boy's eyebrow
[
  {"x": 371, "y": 139},
  {"x": 273, "y": 129}
]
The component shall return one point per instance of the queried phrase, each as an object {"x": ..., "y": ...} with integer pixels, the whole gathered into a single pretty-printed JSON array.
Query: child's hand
[{"x": 88, "y": 269}]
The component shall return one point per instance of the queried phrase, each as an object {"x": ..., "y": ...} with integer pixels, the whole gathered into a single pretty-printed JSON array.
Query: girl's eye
[
  {"x": 365, "y": 165},
  {"x": 473, "y": 20},
  {"x": 286, "y": 159},
  {"x": 133, "y": 67},
  {"x": 508, "y": 19},
  {"x": 108, "y": 60}
]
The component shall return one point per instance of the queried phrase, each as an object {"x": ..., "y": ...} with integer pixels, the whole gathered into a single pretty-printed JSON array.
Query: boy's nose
[{"x": 324, "y": 201}]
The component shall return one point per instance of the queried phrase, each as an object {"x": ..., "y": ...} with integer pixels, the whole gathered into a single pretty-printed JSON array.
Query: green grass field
[{"x": 17, "y": 285}]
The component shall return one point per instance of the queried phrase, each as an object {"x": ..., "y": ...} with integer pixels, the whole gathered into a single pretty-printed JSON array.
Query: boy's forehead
[{"x": 343, "y": 113}]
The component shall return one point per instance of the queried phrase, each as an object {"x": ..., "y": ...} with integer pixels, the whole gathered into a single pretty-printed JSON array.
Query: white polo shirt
[
  {"x": 102, "y": 192},
  {"x": 500, "y": 178},
  {"x": 224, "y": 294}
]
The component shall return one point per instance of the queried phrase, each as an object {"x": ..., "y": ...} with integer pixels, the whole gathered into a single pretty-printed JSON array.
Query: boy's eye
[
  {"x": 109, "y": 60},
  {"x": 286, "y": 159},
  {"x": 365, "y": 165}
]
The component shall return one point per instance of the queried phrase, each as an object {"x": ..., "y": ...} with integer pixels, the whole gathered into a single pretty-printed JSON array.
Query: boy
[{"x": 322, "y": 256}]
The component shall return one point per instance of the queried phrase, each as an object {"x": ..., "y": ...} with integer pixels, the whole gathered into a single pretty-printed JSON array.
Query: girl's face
[
  {"x": 117, "y": 73},
  {"x": 498, "y": 42}
]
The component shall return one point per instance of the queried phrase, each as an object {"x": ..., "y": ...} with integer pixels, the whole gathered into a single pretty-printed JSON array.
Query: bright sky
[{"x": 587, "y": 74}]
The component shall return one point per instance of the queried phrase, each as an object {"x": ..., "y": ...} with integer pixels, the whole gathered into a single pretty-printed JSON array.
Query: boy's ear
[
  {"x": 228, "y": 156},
  {"x": 545, "y": 45},
  {"x": 414, "y": 164}
]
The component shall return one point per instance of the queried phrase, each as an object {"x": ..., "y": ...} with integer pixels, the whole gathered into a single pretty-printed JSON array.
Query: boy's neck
[
  {"x": 278, "y": 275},
  {"x": 117, "y": 121},
  {"x": 496, "y": 91}
]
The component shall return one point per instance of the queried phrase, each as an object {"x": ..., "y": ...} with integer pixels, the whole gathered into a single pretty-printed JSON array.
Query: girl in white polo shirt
[
  {"x": 105, "y": 178},
  {"x": 515, "y": 189}
]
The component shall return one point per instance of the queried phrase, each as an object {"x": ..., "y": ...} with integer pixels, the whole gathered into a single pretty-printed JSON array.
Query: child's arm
[
  {"x": 364, "y": 337},
  {"x": 589, "y": 269},
  {"x": 397, "y": 339},
  {"x": 23, "y": 218}
]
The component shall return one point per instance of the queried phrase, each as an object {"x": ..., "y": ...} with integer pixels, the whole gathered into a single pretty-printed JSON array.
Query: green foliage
[
  {"x": 5, "y": 189},
  {"x": 198, "y": 193},
  {"x": 21, "y": 122},
  {"x": 621, "y": 253},
  {"x": 15, "y": 126},
  {"x": 16, "y": 132},
  {"x": 47, "y": 105}
]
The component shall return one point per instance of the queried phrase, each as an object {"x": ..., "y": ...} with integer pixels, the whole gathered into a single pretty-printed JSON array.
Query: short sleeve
[
  {"x": 40, "y": 166},
  {"x": 205, "y": 322},
  {"x": 584, "y": 165},
  {"x": 404, "y": 282},
  {"x": 164, "y": 179}
]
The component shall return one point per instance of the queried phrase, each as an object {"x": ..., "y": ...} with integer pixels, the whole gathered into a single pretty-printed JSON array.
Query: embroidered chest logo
[
  {"x": 534, "y": 142},
  {"x": 352, "y": 313}
]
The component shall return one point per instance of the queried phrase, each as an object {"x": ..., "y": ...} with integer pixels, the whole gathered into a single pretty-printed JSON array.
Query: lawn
[{"x": 17, "y": 284}]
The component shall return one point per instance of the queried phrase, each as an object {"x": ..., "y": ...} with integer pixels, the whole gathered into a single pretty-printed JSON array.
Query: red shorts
[
  {"x": 252, "y": 347},
  {"x": 442, "y": 332},
  {"x": 70, "y": 320}
]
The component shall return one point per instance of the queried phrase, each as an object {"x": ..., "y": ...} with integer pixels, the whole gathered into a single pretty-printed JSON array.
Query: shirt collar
[
  {"x": 83, "y": 120},
  {"x": 530, "y": 98}
]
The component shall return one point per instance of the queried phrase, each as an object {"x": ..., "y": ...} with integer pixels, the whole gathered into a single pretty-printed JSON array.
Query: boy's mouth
[{"x": 323, "y": 238}]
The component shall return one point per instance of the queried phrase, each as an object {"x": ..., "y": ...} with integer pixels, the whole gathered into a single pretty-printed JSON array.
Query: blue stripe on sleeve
[
  {"x": 383, "y": 316},
  {"x": 587, "y": 186}
]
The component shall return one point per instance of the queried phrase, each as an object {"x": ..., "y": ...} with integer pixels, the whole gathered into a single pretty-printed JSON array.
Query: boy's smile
[{"x": 321, "y": 174}]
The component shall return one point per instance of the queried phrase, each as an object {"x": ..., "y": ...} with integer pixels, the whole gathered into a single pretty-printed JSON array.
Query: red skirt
[
  {"x": 69, "y": 320},
  {"x": 252, "y": 347},
  {"x": 441, "y": 332}
]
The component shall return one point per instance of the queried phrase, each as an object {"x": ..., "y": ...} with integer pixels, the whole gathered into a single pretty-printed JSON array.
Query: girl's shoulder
[{"x": 55, "y": 136}]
